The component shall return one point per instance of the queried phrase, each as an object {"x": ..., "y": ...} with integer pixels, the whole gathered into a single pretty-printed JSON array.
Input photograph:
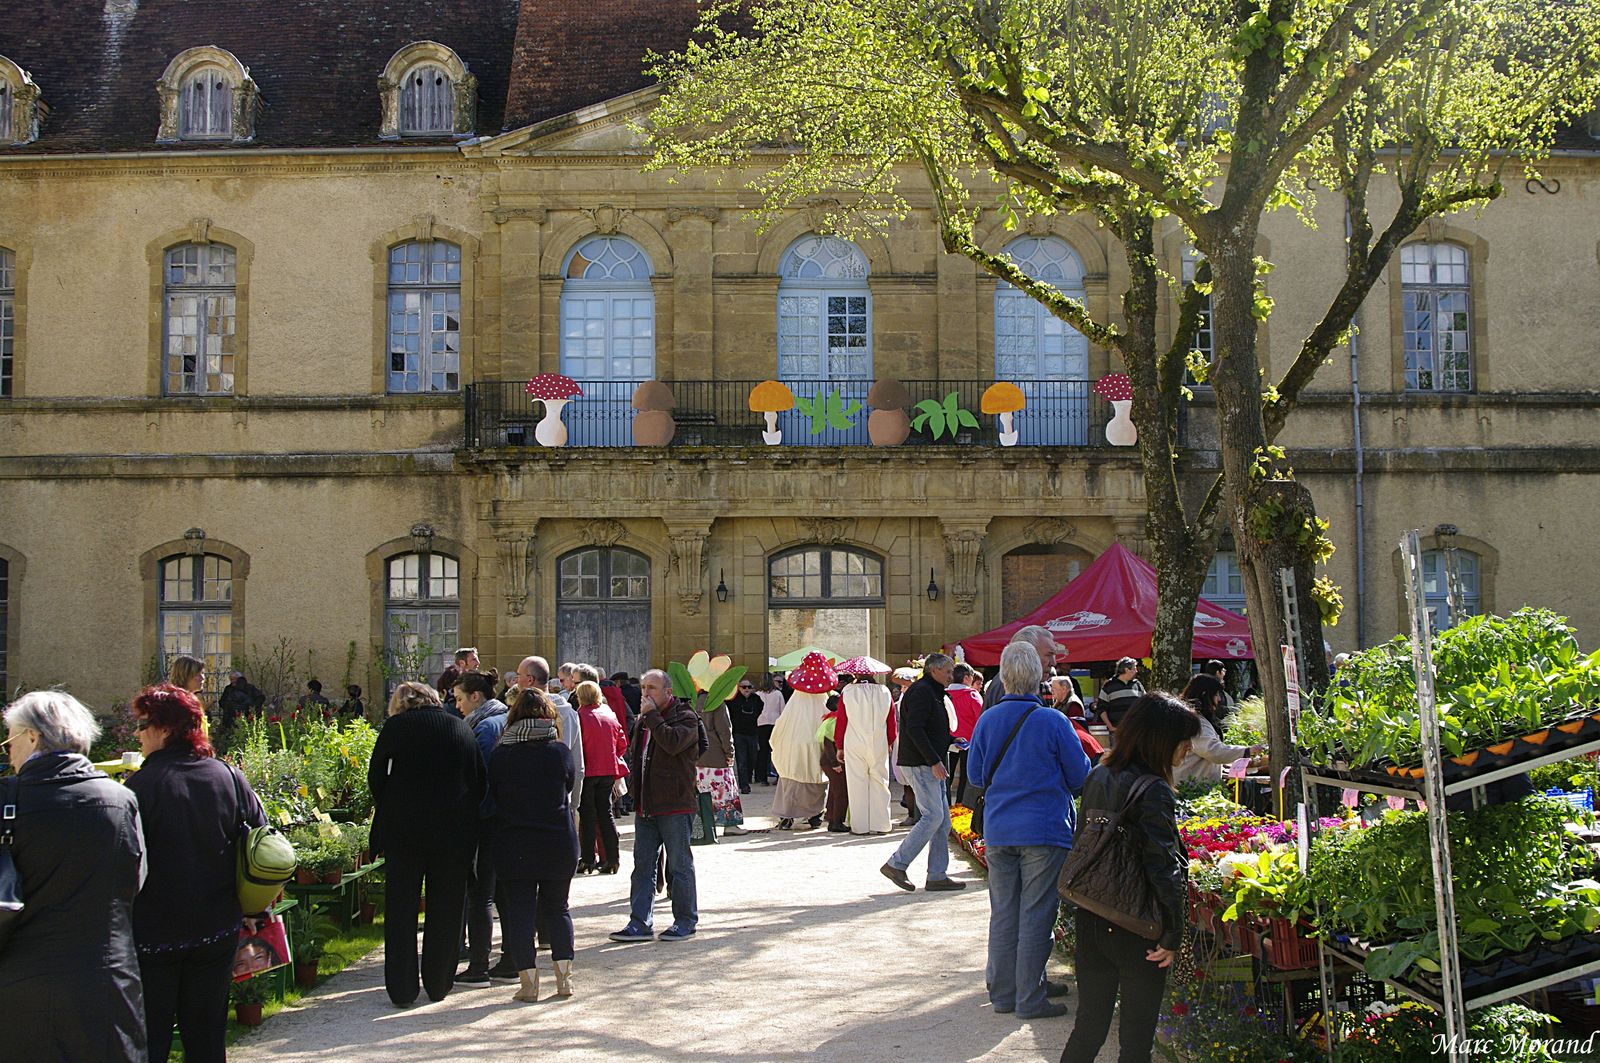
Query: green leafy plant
[
  {"x": 1496, "y": 678},
  {"x": 828, "y": 411},
  {"x": 1272, "y": 887},
  {"x": 944, "y": 417},
  {"x": 309, "y": 932},
  {"x": 250, "y": 991}
]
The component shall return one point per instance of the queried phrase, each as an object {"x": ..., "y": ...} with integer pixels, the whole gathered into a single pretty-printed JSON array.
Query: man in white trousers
[{"x": 868, "y": 734}]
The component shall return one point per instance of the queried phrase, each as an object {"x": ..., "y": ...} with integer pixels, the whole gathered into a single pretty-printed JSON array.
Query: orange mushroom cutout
[
  {"x": 771, "y": 397},
  {"x": 1004, "y": 400},
  {"x": 888, "y": 425},
  {"x": 653, "y": 425}
]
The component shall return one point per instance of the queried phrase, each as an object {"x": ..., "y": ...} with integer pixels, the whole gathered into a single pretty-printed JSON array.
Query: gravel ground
[{"x": 805, "y": 952}]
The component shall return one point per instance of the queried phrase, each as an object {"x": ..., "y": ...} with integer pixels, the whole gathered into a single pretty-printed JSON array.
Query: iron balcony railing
[{"x": 716, "y": 413}]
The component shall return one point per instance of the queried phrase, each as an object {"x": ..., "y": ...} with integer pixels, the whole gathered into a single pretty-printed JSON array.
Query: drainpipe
[{"x": 1361, "y": 463}]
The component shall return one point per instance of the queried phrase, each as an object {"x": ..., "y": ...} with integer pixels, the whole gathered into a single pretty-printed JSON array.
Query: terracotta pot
[
  {"x": 305, "y": 878},
  {"x": 247, "y": 1014},
  {"x": 305, "y": 974},
  {"x": 1537, "y": 738},
  {"x": 888, "y": 428},
  {"x": 332, "y": 878},
  {"x": 368, "y": 912}
]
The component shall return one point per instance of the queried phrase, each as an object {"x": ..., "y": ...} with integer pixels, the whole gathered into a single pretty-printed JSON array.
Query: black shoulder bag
[
  {"x": 10, "y": 877},
  {"x": 1104, "y": 872},
  {"x": 977, "y": 806}
]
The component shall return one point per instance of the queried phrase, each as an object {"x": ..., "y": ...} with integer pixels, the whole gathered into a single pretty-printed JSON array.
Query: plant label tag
[
  {"x": 283, "y": 817},
  {"x": 1239, "y": 768},
  {"x": 1396, "y": 803},
  {"x": 1349, "y": 798},
  {"x": 1302, "y": 835},
  {"x": 1283, "y": 777}
]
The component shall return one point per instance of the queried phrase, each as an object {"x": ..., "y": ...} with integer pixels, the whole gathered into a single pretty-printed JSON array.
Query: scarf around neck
[{"x": 530, "y": 730}]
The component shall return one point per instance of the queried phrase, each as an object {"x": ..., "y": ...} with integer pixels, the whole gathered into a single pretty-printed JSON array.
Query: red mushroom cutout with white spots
[
  {"x": 814, "y": 676},
  {"x": 555, "y": 391},
  {"x": 1118, "y": 390}
]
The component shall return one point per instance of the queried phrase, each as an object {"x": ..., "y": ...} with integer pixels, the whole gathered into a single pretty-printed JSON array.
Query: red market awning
[{"x": 1108, "y": 612}]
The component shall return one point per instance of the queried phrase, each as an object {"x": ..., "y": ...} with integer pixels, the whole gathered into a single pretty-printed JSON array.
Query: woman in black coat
[
  {"x": 69, "y": 977},
  {"x": 426, "y": 778},
  {"x": 1112, "y": 962},
  {"x": 187, "y": 918},
  {"x": 535, "y": 848}
]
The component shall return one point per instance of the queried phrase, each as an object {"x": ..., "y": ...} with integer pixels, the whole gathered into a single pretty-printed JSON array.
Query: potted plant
[
  {"x": 310, "y": 932},
  {"x": 247, "y": 997}
]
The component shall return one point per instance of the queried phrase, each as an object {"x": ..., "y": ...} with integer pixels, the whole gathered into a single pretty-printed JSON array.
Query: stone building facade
[{"x": 268, "y": 297}]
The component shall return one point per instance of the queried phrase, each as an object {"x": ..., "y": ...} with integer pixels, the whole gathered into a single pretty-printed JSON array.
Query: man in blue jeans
[
  {"x": 667, "y": 740},
  {"x": 924, "y": 741}
]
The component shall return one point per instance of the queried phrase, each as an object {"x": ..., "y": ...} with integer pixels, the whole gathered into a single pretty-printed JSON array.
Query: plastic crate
[
  {"x": 1583, "y": 799},
  {"x": 1286, "y": 948}
]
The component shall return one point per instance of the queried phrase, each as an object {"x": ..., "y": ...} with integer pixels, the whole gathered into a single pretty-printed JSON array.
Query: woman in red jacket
[{"x": 605, "y": 744}]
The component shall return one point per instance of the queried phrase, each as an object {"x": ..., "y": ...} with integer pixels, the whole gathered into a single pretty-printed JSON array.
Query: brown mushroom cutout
[
  {"x": 771, "y": 397},
  {"x": 888, "y": 426},
  {"x": 653, "y": 425},
  {"x": 1004, "y": 399}
]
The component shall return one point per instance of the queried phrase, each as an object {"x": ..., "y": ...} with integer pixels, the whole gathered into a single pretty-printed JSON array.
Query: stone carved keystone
[
  {"x": 606, "y": 532},
  {"x": 827, "y": 531}
]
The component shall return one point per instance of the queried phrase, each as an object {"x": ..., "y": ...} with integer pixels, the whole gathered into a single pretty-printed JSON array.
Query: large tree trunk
[
  {"x": 1264, "y": 515},
  {"x": 1180, "y": 573}
]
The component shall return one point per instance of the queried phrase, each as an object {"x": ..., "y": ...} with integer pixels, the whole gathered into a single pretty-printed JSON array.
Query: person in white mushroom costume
[{"x": 796, "y": 751}]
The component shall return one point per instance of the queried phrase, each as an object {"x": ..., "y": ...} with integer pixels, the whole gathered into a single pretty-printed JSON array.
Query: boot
[
  {"x": 528, "y": 992},
  {"x": 563, "y": 978}
]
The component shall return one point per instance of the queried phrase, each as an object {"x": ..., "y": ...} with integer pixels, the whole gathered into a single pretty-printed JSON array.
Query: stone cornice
[{"x": 228, "y": 404}]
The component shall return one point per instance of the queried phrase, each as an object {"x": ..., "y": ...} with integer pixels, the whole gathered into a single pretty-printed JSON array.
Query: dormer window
[
  {"x": 206, "y": 94},
  {"x": 21, "y": 110},
  {"x": 427, "y": 91},
  {"x": 427, "y": 102},
  {"x": 205, "y": 107}
]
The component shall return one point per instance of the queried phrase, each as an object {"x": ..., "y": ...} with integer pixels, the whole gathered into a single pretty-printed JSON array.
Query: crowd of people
[{"x": 492, "y": 792}]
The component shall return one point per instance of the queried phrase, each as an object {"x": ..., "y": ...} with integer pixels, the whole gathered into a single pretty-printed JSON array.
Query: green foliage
[
  {"x": 310, "y": 930},
  {"x": 941, "y": 417},
  {"x": 1496, "y": 678},
  {"x": 1330, "y": 602},
  {"x": 302, "y": 765},
  {"x": 1248, "y": 724},
  {"x": 251, "y": 990},
  {"x": 1519, "y": 877},
  {"x": 1506, "y": 1033},
  {"x": 828, "y": 411},
  {"x": 1272, "y": 887},
  {"x": 1580, "y": 773}
]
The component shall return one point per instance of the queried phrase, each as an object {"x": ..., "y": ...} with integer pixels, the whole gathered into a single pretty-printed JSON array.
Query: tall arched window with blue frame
[
  {"x": 1037, "y": 351},
  {"x": 825, "y": 340},
  {"x": 608, "y": 336}
]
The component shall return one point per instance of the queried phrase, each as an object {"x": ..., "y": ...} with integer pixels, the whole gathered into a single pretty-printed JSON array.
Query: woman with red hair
[{"x": 186, "y": 919}]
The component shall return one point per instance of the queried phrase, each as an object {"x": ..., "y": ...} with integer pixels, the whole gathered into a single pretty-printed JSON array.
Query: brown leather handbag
[{"x": 1104, "y": 873}]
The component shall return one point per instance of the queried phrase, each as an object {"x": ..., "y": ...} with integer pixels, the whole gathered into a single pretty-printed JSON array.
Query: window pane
[{"x": 177, "y": 580}]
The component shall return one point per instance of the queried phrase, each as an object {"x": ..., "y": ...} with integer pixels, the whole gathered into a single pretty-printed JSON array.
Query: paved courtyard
[{"x": 804, "y": 952}]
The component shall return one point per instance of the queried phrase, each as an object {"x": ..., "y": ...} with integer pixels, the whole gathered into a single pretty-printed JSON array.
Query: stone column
[
  {"x": 692, "y": 315},
  {"x": 521, "y": 247}
]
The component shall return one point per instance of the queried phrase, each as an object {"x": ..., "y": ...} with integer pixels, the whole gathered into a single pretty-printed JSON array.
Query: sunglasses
[{"x": 18, "y": 733}]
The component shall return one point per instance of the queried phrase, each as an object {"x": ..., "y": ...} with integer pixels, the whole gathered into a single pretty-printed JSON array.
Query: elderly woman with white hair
[
  {"x": 69, "y": 976},
  {"x": 1030, "y": 764}
]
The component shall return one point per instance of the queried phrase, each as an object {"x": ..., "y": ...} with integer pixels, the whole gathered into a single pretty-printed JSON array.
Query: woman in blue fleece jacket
[{"x": 1027, "y": 828}]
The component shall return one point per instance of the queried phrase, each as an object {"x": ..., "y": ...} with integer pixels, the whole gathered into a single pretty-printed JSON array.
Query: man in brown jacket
[{"x": 667, "y": 741}]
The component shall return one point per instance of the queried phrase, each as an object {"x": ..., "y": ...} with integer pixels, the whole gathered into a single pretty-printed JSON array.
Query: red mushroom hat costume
[{"x": 796, "y": 750}]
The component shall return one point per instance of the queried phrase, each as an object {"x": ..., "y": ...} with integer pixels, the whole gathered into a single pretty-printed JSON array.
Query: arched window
[
  {"x": 608, "y": 312},
  {"x": 812, "y": 575},
  {"x": 824, "y": 311},
  {"x": 8, "y": 316},
  {"x": 1436, "y": 586},
  {"x": 196, "y": 613},
  {"x": 421, "y": 614},
  {"x": 5, "y": 111},
  {"x": 1202, "y": 341},
  {"x": 425, "y": 316},
  {"x": 1435, "y": 287},
  {"x": 427, "y": 101},
  {"x": 1043, "y": 355},
  {"x": 1224, "y": 583},
  {"x": 205, "y": 105},
  {"x": 201, "y": 319}
]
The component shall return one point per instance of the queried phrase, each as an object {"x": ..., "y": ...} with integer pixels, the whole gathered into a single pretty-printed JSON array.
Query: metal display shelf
[
  {"x": 1395, "y": 786},
  {"x": 1448, "y": 994},
  {"x": 1496, "y": 991}
]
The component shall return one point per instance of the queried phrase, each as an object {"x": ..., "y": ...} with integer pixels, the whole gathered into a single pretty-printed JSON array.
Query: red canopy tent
[{"x": 1109, "y": 612}]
